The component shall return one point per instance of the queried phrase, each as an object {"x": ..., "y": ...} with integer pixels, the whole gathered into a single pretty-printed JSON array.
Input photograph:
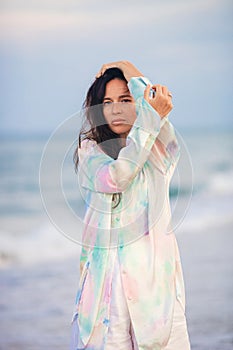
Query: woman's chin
[{"x": 121, "y": 129}]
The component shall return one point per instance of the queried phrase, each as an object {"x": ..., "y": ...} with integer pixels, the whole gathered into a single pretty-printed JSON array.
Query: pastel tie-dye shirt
[{"x": 139, "y": 228}]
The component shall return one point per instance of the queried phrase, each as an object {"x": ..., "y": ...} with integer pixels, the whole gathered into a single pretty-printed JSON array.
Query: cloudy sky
[{"x": 50, "y": 51}]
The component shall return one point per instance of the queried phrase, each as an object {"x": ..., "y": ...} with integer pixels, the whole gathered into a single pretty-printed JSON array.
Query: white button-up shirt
[{"x": 139, "y": 228}]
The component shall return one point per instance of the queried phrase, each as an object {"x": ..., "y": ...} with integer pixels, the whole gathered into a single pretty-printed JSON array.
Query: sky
[{"x": 50, "y": 51}]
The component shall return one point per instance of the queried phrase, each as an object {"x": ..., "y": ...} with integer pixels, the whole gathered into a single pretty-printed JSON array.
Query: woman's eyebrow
[
  {"x": 121, "y": 96},
  {"x": 125, "y": 95}
]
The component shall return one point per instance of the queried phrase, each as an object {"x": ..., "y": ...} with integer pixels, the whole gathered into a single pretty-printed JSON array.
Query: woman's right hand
[
  {"x": 128, "y": 69},
  {"x": 162, "y": 101}
]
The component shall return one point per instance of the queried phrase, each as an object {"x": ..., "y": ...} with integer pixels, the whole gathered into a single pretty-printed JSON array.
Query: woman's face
[{"x": 119, "y": 107}]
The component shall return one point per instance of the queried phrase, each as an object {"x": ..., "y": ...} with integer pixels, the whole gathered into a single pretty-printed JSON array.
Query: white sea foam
[
  {"x": 46, "y": 244},
  {"x": 208, "y": 212},
  {"x": 221, "y": 183},
  {"x": 21, "y": 208},
  {"x": 43, "y": 245}
]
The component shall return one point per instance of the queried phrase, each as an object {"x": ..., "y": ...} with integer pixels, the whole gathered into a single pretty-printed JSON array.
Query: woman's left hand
[
  {"x": 162, "y": 101},
  {"x": 128, "y": 69}
]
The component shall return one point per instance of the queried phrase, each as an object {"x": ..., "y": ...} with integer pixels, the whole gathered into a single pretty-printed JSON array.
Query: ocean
[{"x": 41, "y": 210}]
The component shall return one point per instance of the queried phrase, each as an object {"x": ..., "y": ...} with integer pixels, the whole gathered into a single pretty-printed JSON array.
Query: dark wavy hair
[{"x": 95, "y": 126}]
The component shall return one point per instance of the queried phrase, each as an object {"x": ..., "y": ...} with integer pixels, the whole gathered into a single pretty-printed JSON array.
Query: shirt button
[
  {"x": 124, "y": 272},
  {"x": 129, "y": 297}
]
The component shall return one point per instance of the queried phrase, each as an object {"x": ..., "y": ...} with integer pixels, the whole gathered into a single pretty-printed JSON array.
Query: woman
[{"x": 131, "y": 292}]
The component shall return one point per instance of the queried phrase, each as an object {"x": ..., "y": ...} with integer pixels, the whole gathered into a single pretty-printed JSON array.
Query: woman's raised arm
[{"x": 99, "y": 172}]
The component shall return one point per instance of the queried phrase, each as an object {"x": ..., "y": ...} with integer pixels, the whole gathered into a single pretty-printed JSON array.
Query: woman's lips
[{"x": 118, "y": 121}]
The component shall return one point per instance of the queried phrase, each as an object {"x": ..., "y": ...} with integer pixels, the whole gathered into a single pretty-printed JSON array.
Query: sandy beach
[{"x": 208, "y": 270}]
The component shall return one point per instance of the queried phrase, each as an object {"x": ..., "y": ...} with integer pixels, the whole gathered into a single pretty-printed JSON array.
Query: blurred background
[{"x": 50, "y": 52}]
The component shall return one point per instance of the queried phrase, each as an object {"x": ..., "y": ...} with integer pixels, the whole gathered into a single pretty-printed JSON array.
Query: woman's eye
[
  {"x": 105, "y": 103},
  {"x": 126, "y": 100}
]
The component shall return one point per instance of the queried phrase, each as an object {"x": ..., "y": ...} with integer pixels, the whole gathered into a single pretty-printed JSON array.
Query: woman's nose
[{"x": 116, "y": 108}]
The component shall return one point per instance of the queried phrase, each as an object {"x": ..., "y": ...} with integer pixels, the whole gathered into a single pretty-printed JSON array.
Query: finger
[
  {"x": 165, "y": 90},
  {"x": 147, "y": 92},
  {"x": 105, "y": 67},
  {"x": 98, "y": 74},
  {"x": 102, "y": 70},
  {"x": 158, "y": 89},
  {"x": 169, "y": 94}
]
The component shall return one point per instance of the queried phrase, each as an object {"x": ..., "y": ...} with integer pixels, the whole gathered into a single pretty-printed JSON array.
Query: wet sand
[{"x": 208, "y": 269}]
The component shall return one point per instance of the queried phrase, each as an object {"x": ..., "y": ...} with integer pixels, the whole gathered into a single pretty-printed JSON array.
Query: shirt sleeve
[
  {"x": 165, "y": 152},
  {"x": 99, "y": 172}
]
